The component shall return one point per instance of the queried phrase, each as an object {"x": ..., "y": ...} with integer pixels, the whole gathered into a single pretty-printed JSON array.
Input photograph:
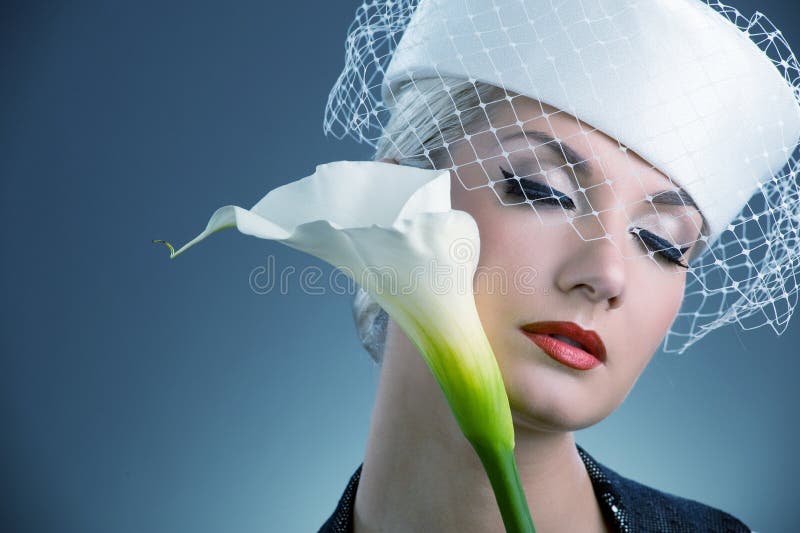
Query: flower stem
[{"x": 504, "y": 477}]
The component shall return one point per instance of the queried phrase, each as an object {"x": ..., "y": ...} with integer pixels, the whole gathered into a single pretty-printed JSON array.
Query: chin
[
  {"x": 545, "y": 419},
  {"x": 546, "y": 399}
]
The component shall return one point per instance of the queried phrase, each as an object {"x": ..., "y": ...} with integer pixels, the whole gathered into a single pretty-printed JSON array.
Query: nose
[{"x": 595, "y": 268}]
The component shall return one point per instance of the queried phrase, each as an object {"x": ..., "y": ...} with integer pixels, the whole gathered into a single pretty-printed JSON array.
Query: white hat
[{"x": 672, "y": 80}]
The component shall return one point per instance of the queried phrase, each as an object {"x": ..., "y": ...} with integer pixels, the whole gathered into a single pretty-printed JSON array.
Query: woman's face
[{"x": 561, "y": 262}]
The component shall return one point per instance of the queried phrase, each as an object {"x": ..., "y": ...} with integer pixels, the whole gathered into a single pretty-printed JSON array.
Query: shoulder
[
  {"x": 645, "y": 509},
  {"x": 668, "y": 512},
  {"x": 341, "y": 521}
]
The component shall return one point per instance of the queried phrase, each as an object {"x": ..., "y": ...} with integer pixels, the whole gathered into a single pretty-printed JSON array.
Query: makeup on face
[
  {"x": 567, "y": 343},
  {"x": 533, "y": 175}
]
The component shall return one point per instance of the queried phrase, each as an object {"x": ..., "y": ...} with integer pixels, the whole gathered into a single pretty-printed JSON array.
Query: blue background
[{"x": 143, "y": 394}]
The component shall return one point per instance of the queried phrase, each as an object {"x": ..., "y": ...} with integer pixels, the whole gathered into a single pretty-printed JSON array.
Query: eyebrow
[
  {"x": 581, "y": 165},
  {"x": 674, "y": 197}
]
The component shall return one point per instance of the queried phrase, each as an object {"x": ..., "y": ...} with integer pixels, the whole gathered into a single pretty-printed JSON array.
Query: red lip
[{"x": 593, "y": 354}]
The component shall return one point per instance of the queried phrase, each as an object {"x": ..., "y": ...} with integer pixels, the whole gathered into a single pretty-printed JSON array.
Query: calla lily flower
[{"x": 370, "y": 219}]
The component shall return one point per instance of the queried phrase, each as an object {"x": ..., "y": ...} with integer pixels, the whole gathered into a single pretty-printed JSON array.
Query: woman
[
  {"x": 415, "y": 450},
  {"x": 606, "y": 189}
]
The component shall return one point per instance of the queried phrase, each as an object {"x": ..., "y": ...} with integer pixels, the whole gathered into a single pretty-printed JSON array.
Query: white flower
[{"x": 391, "y": 228}]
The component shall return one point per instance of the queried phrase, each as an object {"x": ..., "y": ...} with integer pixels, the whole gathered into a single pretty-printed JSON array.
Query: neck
[{"x": 421, "y": 474}]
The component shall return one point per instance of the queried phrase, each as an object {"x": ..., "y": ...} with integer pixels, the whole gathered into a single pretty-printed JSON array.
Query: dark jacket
[{"x": 629, "y": 506}]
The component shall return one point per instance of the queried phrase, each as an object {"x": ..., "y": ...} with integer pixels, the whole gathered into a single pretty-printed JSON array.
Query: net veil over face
[{"x": 706, "y": 96}]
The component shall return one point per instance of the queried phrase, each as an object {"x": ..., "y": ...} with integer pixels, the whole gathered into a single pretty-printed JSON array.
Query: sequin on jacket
[{"x": 628, "y": 506}]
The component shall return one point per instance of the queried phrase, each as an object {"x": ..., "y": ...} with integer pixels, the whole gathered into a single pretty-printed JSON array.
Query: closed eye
[
  {"x": 534, "y": 191},
  {"x": 661, "y": 247}
]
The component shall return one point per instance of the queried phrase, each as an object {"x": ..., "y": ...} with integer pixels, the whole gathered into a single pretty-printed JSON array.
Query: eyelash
[
  {"x": 663, "y": 247},
  {"x": 542, "y": 193}
]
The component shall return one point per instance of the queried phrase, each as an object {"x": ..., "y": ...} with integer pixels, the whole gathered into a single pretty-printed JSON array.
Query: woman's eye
[
  {"x": 536, "y": 192},
  {"x": 661, "y": 247}
]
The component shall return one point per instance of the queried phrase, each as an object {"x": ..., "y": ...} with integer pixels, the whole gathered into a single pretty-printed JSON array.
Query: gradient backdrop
[{"x": 139, "y": 394}]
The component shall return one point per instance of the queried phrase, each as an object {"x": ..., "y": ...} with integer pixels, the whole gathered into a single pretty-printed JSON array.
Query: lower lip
[{"x": 563, "y": 352}]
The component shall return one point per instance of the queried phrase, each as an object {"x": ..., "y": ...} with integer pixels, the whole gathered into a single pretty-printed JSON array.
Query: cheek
[
  {"x": 507, "y": 242},
  {"x": 514, "y": 269},
  {"x": 652, "y": 303},
  {"x": 654, "y": 300}
]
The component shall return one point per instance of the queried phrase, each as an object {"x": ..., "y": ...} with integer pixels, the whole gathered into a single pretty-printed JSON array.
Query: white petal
[
  {"x": 343, "y": 194},
  {"x": 392, "y": 229},
  {"x": 351, "y": 194}
]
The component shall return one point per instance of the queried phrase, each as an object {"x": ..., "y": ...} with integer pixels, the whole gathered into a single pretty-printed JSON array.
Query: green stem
[{"x": 504, "y": 477}]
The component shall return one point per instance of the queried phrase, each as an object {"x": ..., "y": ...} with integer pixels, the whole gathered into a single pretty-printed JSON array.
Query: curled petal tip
[{"x": 168, "y": 245}]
